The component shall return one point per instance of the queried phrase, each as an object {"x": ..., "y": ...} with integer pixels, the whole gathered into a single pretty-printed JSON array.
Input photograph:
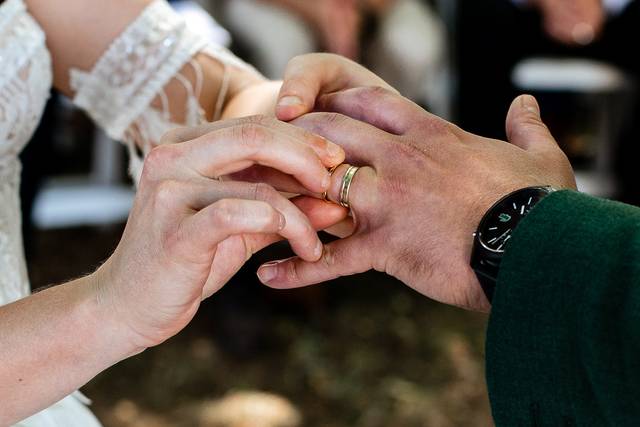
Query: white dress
[{"x": 117, "y": 94}]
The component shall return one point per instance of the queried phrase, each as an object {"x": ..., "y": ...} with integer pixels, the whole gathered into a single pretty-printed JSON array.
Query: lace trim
[
  {"x": 135, "y": 68},
  {"x": 133, "y": 73}
]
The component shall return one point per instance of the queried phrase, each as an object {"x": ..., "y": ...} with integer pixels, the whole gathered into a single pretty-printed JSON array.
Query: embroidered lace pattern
[
  {"x": 24, "y": 87},
  {"x": 120, "y": 90}
]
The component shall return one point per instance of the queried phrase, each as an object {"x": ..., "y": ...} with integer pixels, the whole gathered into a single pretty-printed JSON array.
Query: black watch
[{"x": 495, "y": 231}]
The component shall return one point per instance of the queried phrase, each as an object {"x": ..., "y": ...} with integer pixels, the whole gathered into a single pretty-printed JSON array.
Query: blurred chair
[
  {"x": 100, "y": 197},
  {"x": 584, "y": 103}
]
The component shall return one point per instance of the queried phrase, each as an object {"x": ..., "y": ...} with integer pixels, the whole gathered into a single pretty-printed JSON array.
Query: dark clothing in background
[{"x": 494, "y": 35}]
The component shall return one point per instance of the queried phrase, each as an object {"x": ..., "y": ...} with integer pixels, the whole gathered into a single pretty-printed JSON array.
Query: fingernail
[
  {"x": 326, "y": 181},
  {"x": 283, "y": 222},
  {"x": 317, "y": 252},
  {"x": 334, "y": 150},
  {"x": 287, "y": 101},
  {"x": 530, "y": 104},
  {"x": 268, "y": 272}
]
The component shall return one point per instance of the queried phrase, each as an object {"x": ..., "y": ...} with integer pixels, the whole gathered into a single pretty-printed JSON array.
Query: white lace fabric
[
  {"x": 120, "y": 90},
  {"x": 25, "y": 82},
  {"x": 24, "y": 87}
]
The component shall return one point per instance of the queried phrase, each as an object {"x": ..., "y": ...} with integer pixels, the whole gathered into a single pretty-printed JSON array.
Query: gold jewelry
[
  {"x": 331, "y": 171},
  {"x": 346, "y": 185}
]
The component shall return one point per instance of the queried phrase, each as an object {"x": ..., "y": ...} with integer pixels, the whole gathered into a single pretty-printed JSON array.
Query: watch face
[{"x": 497, "y": 228}]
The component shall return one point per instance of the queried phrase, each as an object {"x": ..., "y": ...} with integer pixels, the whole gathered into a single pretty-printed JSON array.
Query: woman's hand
[
  {"x": 424, "y": 186},
  {"x": 307, "y": 77},
  {"x": 188, "y": 232}
]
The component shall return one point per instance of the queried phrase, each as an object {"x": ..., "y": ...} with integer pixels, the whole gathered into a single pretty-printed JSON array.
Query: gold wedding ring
[
  {"x": 346, "y": 185},
  {"x": 331, "y": 171}
]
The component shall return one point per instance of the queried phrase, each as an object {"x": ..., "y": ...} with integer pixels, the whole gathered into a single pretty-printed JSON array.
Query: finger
[
  {"x": 331, "y": 154},
  {"x": 363, "y": 143},
  {"x": 230, "y": 150},
  {"x": 308, "y": 76},
  {"x": 278, "y": 180},
  {"x": 340, "y": 258},
  {"x": 377, "y": 106},
  {"x": 362, "y": 192},
  {"x": 343, "y": 229},
  {"x": 298, "y": 229},
  {"x": 525, "y": 128},
  {"x": 321, "y": 215},
  {"x": 203, "y": 231}
]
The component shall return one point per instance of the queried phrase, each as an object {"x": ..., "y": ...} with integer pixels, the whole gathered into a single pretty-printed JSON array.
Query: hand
[
  {"x": 428, "y": 185},
  {"x": 338, "y": 24},
  {"x": 188, "y": 233},
  {"x": 572, "y": 22},
  {"x": 309, "y": 76}
]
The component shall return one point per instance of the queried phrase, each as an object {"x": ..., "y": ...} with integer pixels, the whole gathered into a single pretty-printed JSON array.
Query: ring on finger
[
  {"x": 325, "y": 195},
  {"x": 345, "y": 188}
]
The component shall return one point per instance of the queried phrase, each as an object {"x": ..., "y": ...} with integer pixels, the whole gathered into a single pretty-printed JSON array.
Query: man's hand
[
  {"x": 188, "y": 232},
  {"x": 423, "y": 189},
  {"x": 572, "y": 22},
  {"x": 307, "y": 77}
]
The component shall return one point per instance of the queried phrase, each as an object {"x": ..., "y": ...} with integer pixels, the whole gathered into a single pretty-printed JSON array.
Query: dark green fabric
[{"x": 563, "y": 343}]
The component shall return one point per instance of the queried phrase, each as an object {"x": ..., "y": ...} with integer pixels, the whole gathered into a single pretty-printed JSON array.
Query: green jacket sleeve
[{"x": 563, "y": 343}]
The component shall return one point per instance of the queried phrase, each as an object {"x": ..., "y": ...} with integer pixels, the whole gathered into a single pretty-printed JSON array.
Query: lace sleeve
[{"x": 125, "y": 91}]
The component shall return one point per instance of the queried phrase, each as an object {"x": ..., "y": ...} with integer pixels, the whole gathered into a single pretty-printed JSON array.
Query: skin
[
  {"x": 423, "y": 188},
  {"x": 337, "y": 22},
  {"x": 187, "y": 233},
  {"x": 572, "y": 22}
]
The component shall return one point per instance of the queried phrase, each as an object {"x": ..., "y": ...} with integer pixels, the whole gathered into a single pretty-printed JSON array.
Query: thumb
[
  {"x": 309, "y": 76},
  {"x": 525, "y": 128}
]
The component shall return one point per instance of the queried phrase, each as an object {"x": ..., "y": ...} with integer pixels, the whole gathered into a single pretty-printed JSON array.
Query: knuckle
[
  {"x": 253, "y": 136},
  {"x": 328, "y": 120},
  {"x": 165, "y": 194},
  {"x": 223, "y": 213},
  {"x": 264, "y": 192},
  {"x": 255, "y": 119},
  {"x": 329, "y": 258},
  {"x": 374, "y": 93},
  {"x": 172, "y": 137},
  {"x": 433, "y": 126},
  {"x": 158, "y": 159},
  {"x": 292, "y": 275}
]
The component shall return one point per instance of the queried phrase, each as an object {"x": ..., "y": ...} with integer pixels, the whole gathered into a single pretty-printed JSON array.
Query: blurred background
[{"x": 364, "y": 351}]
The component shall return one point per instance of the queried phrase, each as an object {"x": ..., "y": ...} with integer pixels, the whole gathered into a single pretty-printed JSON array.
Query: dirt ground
[{"x": 358, "y": 352}]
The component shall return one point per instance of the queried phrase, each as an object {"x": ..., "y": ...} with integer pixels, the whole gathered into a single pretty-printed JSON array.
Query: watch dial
[{"x": 497, "y": 227}]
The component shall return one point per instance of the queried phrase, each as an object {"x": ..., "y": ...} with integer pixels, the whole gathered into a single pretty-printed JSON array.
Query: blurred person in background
[
  {"x": 403, "y": 41},
  {"x": 495, "y": 35},
  {"x": 486, "y": 225}
]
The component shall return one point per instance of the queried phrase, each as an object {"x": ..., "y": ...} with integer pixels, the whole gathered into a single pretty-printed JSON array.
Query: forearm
[
  {"x": 126, "y": 49},
  {"x": 52, "y": 343}
]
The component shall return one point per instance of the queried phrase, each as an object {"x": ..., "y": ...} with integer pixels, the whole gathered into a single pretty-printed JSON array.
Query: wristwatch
[{"x": 496, "y": 229}]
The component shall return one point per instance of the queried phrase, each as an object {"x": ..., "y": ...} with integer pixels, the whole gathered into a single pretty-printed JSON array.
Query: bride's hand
[
  {"x": 188, "y": 232},
  {"x": 307, "y": 77}
]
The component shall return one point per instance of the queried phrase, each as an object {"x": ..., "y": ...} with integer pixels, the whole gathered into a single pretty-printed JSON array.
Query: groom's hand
[{"x": 423, "y": 189}]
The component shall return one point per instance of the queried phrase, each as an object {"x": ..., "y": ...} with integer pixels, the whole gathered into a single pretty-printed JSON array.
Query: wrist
[{"x": 103, "y": 324}]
